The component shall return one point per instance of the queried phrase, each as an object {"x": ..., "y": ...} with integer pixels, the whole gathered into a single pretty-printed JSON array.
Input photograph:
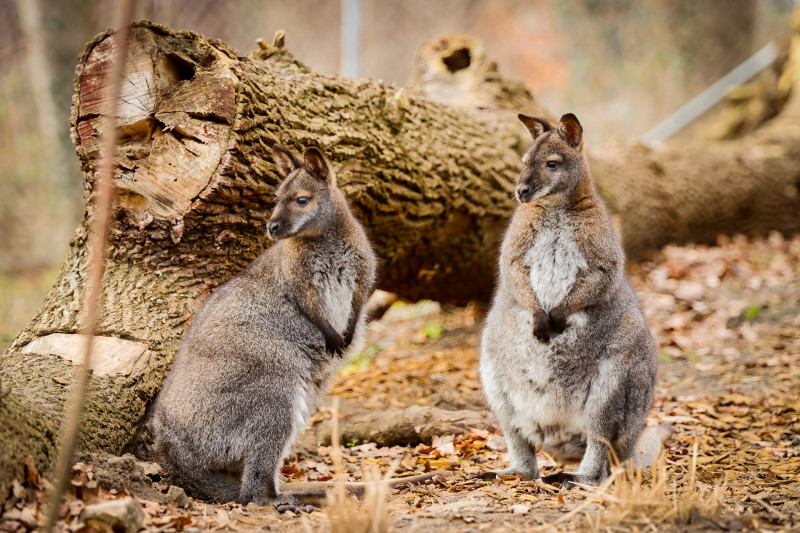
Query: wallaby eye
[
  {"x": 552, "y": 164},
  {"x": 303, "y": 200}
]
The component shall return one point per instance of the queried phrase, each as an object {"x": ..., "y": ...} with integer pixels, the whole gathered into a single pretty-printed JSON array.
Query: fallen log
[{"x": 397, "y": 427}]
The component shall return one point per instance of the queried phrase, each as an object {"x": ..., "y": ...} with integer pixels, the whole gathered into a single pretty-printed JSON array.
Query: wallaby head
[
  {"x": 553, "y": 163},
  {"x": 304, "y": 203}
]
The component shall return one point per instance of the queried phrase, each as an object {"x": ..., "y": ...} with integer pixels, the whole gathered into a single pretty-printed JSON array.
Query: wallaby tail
[{"x": 650, "y": 444}]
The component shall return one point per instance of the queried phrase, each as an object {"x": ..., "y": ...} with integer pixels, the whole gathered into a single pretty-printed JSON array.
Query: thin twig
[
  {"x": 587, "y": 502},
  {"x": 98, "y": 230},
  {"x": 770, "y": 509}
]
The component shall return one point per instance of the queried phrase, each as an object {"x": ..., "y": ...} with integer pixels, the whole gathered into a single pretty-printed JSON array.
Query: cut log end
[
  {"x": 175, "y": 116},
  {"x": 455, "y": 70}
]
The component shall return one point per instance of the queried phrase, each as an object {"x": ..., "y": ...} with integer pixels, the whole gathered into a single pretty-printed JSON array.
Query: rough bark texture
[
  {"x": 432, "y": 183},
  {"x": 691, "y": 191}
]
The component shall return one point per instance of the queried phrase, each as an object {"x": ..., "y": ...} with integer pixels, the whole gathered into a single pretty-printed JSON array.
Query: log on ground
[{"x": 397, "y": 427}]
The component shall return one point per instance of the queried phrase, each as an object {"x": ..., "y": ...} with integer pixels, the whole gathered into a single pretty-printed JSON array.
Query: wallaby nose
[
  {"x": 523, "y": 190},
  {"x": 273, "y": 227}
]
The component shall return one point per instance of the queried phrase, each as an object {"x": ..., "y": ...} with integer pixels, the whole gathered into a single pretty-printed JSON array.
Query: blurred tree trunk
[
  {"x": 431, "y": 182},
  {"x": 40, "y": 75},
  {"x": 711, "y": 43}
]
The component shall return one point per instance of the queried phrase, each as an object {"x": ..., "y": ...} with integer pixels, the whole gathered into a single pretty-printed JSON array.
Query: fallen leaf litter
[{"x": 726, "y": 320}]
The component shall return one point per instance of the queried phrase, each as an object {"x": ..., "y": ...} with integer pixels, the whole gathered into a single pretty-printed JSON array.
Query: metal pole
[
  {"x": 706, "y": 99},
  {"x": 350, "y": 48}
]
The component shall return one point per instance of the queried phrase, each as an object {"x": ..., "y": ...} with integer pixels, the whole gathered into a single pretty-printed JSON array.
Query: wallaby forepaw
[
  {"x": 335, "y": 344},
  {"x": 558, "y": 319},
  {"x": 349, "y": 335},
  {"x": 541, "y": 325}
]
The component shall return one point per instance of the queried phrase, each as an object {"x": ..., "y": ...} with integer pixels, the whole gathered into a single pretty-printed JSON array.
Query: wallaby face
[
  {"x": 567, "y": 362},
  {"x": 553, "y": 161},
  {"x": 303, "y": 200}
]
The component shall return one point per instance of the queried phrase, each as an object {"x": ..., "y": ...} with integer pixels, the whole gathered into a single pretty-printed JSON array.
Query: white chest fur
[
  {"x": 555, "y": 261},
  {"x": 336, "y": 301}
]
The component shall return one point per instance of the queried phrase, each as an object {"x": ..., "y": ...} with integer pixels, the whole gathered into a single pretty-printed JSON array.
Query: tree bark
[{"x": 431, "y": 182}]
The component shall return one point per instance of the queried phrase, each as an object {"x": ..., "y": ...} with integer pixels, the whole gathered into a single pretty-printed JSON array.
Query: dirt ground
[{"x": 727, "y": 324}]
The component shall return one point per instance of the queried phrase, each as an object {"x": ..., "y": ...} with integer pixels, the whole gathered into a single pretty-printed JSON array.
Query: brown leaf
[
  {"x": 222, "y": 518},
  {"x": 31, "y": 474}
]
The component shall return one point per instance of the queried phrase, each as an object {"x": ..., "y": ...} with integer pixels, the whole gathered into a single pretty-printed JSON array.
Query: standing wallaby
[
  {"x": 259, "y": 353},
  {"x": 567, "y": 362}
]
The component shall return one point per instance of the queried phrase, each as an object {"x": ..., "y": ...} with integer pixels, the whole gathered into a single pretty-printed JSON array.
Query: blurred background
[{"x": 622, "y": 66}]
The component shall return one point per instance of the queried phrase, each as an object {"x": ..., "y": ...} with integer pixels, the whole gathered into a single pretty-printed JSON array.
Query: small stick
[
  {"x": 98, "y": 230},
  {"x": 770, "y": 509}
]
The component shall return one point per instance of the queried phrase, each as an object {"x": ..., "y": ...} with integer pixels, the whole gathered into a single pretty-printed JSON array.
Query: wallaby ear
[
  {"x": 536, "y": 126},
  {"x": 317, "y": 164},
  {"x": 570, "y": 129},
  {"x": 287, "y": 162}
]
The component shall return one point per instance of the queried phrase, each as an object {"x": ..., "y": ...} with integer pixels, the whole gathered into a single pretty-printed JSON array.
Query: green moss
[{"x": 433, "y": 330}]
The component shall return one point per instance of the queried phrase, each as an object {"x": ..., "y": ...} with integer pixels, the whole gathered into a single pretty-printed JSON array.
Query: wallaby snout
[
  {"x": 273, "y": 229},
  {"x": 523, "y": 192},
  {"x": 277, "y": 224}
]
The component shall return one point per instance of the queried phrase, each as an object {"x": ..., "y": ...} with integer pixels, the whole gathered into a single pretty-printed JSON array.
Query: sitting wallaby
[
  {"x": 567, "y": 362},
  {"x": 259, "y": 353}
]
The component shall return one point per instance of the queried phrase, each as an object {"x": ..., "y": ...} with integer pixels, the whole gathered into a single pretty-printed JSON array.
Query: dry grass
[
  {"x": 633, "y": 499},
  {"x": 370, "y": 515},
  {"x": 345, "y": 514}
]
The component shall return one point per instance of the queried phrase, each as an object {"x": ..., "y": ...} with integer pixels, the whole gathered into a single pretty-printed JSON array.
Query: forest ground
[{"x": 727, "y": 323}]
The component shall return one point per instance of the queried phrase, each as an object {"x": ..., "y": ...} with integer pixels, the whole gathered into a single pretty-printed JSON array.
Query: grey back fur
[
  {"x": 567, "y": 362},
  {"x": 260, "y": 352}
]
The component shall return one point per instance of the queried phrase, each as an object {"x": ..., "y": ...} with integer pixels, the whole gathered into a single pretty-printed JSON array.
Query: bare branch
[{"x": 103, "y": 194}]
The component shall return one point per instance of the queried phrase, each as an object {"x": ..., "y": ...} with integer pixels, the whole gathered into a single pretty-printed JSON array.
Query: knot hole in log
[
  {"x": 178, "y": 69},
  {"x": 458, "y": 60},
  {"x": 175, "y": 112}
]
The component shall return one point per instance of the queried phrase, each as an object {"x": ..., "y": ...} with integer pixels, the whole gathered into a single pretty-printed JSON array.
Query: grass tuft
[
  {"x": 632, "y": 500},
  {"x": 344, "y": 512}
]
